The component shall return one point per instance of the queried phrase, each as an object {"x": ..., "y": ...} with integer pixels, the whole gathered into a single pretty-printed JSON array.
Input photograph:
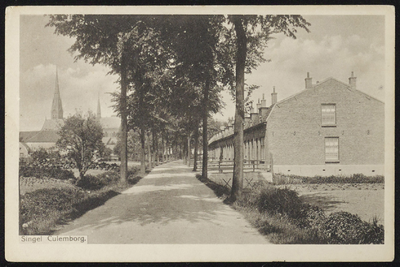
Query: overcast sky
[{"x": 335, "y": 46}]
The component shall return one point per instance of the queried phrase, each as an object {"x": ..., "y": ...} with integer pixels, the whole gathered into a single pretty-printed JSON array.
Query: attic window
[{"x": 328, "y": 114}]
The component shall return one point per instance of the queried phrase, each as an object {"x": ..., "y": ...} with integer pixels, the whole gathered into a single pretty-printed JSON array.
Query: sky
[{"x": 335, "y": 46}]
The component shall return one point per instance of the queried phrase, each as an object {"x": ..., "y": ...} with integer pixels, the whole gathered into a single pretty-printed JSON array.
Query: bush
[
  {"x": 285, "y": 219},
  {"x": 38, "y": 171},
  {"x": 374, "y": 233},
  {"x": 346, "y": 228},
  {"x": 90, "y": 182},
  {"x": 283, "y": 201},
  {"x": 355, "y": 178},
  {"x": 311, "y": 217},
  {"x": 42, "y": 208}
]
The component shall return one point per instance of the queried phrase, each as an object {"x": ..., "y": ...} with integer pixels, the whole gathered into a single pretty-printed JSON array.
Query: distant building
[
  {"x": 329, "y": 128},
  {"x": 47, "y": 136}
]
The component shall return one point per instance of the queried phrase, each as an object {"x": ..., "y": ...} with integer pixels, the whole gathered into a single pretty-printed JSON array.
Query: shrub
[
  {"x": 41, "y": 208},
  {"x": 39, "y": 171},
  {"x": 311, "y": 217},
  {"x": 283, "y": 201},
  {"x": 90, "y": 182},
  {"x": 373, "y": 234},
  {"x": 346, "y": 228},
  {"x": 355, "y": 178}
]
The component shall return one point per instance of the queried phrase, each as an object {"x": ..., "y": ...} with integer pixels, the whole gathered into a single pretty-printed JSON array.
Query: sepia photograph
[{"x": 170, "y": 134}]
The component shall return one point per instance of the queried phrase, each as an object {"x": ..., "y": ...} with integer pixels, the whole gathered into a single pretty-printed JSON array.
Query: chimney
[
  {"x": 308, "y": 81},
  {"x": 258, "y": 105},
  {"x": 263, "y": 109},
  {"x": 254, "y": 116},
  {"x": 274, "y": 97},
  {"x": 263, "y": 101},
  {"x": 352, "y": 81}
]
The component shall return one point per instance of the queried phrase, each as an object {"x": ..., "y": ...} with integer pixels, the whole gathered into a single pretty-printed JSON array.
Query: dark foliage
[
  {"x": 43, "y": 203},
  {"x": 346, "y": 228},
  {"x": 41, "y": 171},
  {"x": 283, "y": 215},
  {"x": 90, "y": 182},
  {"x": 355, "y": 178},
  {"x": 283, "y": 201}
]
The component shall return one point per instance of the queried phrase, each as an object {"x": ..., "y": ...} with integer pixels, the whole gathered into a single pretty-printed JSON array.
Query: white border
[{"x": 15, "y": 251}]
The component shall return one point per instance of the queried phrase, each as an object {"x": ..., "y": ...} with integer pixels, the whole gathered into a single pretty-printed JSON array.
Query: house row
[{"x": 328, "y": 128}]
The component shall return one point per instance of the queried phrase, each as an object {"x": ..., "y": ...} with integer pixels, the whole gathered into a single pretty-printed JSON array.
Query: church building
[{"x": 47, "y": 136}]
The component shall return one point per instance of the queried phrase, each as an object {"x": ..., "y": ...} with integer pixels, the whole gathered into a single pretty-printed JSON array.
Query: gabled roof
[
  {"x": 315, "y": 86},
  {"x": 52, "y": 125},
  {"x": 23, "y": 136},
  {"x": 44, "y": 136},
  {"x": 265, "y": 118}
]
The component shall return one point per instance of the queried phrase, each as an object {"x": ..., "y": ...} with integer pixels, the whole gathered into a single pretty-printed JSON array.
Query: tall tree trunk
[
  {"x": 124, "y": 132},
  {"x": 142, "y": 152},
  {"x": 149, "y": 151},
  {"x": 237, "y": 181},
  {"x": 196, "y": 144},
  {"x": 153, "y": 133},
  {"x": 156, "y": 149},
  {"x": 205, "y": 117},
  {"x": 189, "y": 148},
  {"x": 184, "y": 153},
  {"x": 163, "y": 147}
]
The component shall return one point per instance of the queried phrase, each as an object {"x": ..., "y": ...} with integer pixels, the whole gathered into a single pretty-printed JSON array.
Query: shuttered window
[
  {"x": 328, "y": 112},
  {"x": 331, "y": 149}
]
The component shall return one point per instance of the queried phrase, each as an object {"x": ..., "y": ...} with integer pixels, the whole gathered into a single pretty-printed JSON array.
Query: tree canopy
[{"x": 81, "y": 139}]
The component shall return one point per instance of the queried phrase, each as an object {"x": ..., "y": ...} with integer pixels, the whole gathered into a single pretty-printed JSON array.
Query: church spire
[
  {"x": 98, "y": 107},
  {"x": 56, "y": 108}
]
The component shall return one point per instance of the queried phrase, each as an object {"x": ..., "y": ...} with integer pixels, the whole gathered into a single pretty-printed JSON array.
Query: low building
[{"x": 329, "y": 128}]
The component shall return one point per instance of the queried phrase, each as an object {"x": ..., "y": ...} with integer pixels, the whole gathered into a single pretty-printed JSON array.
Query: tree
[
  {"x": 195, "y": 39},
  {"x": 81, "y": 139},
  {"x": 111, "y": 40},
  {"x": 252, "y": 33}
]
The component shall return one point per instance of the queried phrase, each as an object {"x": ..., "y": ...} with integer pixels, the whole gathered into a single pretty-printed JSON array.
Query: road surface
[{"x": 168, "y": 206}]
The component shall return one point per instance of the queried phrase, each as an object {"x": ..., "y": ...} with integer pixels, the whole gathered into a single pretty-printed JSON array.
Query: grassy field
[{"x": 365, "y": 200}]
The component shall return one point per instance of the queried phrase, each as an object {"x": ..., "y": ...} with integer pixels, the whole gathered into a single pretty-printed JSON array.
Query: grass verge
[
  {"x": 282, "y": 216},
  {"x": 43, "y": 209}
]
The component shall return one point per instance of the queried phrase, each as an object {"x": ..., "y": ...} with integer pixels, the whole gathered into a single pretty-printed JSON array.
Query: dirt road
[{"x": 168, "y": 206}]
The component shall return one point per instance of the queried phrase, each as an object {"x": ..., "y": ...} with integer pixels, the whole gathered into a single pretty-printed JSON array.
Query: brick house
[{"x": 329, "y": 128}]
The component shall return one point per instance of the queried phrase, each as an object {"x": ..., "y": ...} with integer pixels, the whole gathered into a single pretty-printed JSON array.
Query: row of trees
[{"x": 171, "y": 69}]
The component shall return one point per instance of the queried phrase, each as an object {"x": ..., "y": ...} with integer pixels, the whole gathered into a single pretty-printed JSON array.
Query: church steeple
[
  {"x": 56, "y": 108},
  {"x": 98, "y": 107}
]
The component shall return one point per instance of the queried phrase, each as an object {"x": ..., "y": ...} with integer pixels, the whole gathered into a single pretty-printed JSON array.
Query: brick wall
[{"x": 295, "y": 135}]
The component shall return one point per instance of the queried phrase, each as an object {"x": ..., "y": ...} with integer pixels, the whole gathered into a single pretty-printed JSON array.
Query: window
[
  {"x": 331, "y": 149},
  {"x": 328, "y": 112}
]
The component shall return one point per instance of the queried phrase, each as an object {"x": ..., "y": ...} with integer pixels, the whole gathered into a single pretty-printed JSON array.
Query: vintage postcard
[{"x": 199, "y": 133}]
